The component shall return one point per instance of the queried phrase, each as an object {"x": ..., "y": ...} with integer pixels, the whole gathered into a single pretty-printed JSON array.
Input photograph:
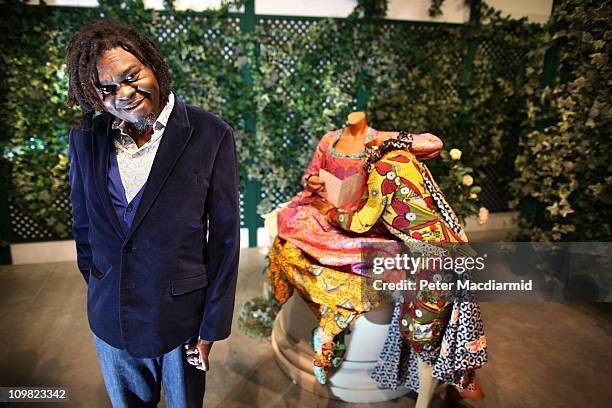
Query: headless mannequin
[
  {"x": 352, "y": 142},
  {"x": 425, "y": 145},
  {"x": 352, "y": 139}
]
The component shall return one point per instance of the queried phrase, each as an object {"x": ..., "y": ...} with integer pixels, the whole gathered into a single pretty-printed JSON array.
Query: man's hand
[
  {"x": 315, "y": 184},
  {"x": 197, "y": 355}
]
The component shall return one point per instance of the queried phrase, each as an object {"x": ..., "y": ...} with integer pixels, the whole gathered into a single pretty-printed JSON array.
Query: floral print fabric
[
  {"x": 449, "y": 336},
  {"x": 302, "y": 224},
  {"x": 403, "y": 195},
  {"x": 463, "y": 349},
  {"x": 336, "y": 298}
]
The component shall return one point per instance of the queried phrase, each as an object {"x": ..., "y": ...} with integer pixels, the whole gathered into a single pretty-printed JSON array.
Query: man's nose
[{"x": 125, "y": 92}]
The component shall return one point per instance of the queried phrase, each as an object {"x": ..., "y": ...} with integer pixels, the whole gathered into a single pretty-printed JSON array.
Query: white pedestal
[{"x": 351, "y": 382}]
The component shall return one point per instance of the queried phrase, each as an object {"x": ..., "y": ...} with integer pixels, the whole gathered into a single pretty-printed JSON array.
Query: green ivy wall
[{"x": 489, "y": 88}]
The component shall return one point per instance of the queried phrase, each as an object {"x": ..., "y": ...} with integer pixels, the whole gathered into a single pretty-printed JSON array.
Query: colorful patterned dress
[
  {"x": 318, "y": 260},
  {"x": 403, "y": 194},
  {"x": 302, "y": 224},
  {"x": 447, "y": 334}
]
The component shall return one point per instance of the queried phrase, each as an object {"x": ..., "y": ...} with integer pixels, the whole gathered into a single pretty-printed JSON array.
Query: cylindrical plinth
[{"x": 351, "y": 382}]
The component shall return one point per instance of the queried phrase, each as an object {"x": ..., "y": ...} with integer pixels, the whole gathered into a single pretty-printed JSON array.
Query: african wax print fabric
[{"x": 335, "y": 297}]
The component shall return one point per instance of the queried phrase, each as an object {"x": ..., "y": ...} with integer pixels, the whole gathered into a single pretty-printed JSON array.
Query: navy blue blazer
[{"x": 161, "y": 283}]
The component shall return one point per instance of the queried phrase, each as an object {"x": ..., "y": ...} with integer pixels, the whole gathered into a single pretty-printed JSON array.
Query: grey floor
[{"x": 541, "y": 355}]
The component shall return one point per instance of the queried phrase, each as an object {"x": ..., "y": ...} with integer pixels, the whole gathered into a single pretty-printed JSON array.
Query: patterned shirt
[{"x": 135, "y": 162}]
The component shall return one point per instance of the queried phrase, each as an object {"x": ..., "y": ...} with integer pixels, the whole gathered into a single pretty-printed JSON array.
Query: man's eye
[
  {"x": 131, "y": 78},
  {"x": 105, "y": 90}
]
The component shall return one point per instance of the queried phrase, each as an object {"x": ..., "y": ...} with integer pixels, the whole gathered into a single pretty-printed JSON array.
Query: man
[{"x": 154, "y": 194}]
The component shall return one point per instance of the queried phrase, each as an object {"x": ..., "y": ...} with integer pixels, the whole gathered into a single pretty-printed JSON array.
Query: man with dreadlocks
[{"x": 154, "y": 193}]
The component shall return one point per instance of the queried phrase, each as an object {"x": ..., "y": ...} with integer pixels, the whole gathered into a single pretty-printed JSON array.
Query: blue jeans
[{"x": 136, "y": 382}]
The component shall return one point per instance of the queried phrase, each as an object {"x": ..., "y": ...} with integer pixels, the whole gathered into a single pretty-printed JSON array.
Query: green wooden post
[
  {"x": 5, "y": 226},
  {"x": 551, "y": 58},
  {"x": 252, "y": 193},
  {"x": 468, "y": 66},
  {"x": 530, "y": 209},
  {"x": 367, "y": 25},
  {"x": 363, "y": 95}
]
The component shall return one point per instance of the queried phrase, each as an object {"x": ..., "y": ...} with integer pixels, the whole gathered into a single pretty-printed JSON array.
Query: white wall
[
  {"x": 310, "y": 8},
  {"x": 71, "y": 3},
  {"x": 537, "y": 11},
  {"x": 196, "y": 5},
  {"x": 453, "y": 11}
]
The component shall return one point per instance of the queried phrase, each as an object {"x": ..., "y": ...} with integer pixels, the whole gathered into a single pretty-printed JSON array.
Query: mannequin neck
[{"x": 357, "y": 124}]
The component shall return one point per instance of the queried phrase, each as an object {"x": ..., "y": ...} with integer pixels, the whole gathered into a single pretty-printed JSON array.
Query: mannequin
[
  {"x": 403, "y": 195},
  {"x": 328, "y": 278},
  {"x": 352, "y": 140}
]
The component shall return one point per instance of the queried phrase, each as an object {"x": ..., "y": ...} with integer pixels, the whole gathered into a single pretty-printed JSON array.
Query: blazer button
[
  {"x": 128, "y": 247},
  {"x": 130, "y": 208}
]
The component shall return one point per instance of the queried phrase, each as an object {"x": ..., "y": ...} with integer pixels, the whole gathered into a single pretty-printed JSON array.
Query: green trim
[
  {"x": 5, "y": 227},
  {"x": 349, "y": 156},
  {"x": 468, "y": 63},
  {"x": 390, "y": 21},
  {"x": 248, "y": 18},
  {"x": 252, "y": 220},
  {"x": 551, "y": 59},
  {"x": 252, "y": 194},
  {"x": 475, "y": 7}
]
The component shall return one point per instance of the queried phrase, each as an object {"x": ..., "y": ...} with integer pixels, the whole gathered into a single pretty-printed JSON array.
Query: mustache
[{"x": 138, "y": 97}]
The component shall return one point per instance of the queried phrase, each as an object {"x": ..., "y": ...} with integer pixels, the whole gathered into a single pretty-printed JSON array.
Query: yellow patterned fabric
[
  {"x": 404, "y": 195},
  {"x": 335, "y": 297},
  {"x": 397, "y": 195}
]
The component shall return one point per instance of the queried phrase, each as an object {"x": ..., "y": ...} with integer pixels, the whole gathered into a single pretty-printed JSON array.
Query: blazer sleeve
[
  {"x": 223, "y": 246},
  {"x": 80, "y": 219}
]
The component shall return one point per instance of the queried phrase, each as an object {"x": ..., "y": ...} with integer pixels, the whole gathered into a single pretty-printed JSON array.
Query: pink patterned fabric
[{"x": 304, "y": 226}]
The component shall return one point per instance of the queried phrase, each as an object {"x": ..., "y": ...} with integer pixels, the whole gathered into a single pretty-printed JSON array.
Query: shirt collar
[{"x": 161, "y": 122}]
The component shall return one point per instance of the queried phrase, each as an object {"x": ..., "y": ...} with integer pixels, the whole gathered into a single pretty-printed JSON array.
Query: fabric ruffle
[{"x": 463, "y": 350}]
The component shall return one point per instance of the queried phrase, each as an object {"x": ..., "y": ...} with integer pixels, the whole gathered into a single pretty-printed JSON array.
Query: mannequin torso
[{"x": 353, "y": 138}]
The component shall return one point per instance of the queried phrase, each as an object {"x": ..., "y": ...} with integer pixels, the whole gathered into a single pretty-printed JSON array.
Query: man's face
[{"x": 128, "y": 88}]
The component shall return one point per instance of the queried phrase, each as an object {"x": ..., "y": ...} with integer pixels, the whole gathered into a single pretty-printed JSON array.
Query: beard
[{"x": 144, "y": 123}]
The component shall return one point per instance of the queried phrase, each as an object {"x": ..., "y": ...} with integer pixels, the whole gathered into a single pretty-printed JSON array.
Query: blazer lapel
[
  {"x": 175, "y": 138},
  {"x": 101, "y": 145}
]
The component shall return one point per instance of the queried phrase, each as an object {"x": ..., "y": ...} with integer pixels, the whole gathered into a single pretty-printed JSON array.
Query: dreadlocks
[{"x": 89, "y": 44}]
